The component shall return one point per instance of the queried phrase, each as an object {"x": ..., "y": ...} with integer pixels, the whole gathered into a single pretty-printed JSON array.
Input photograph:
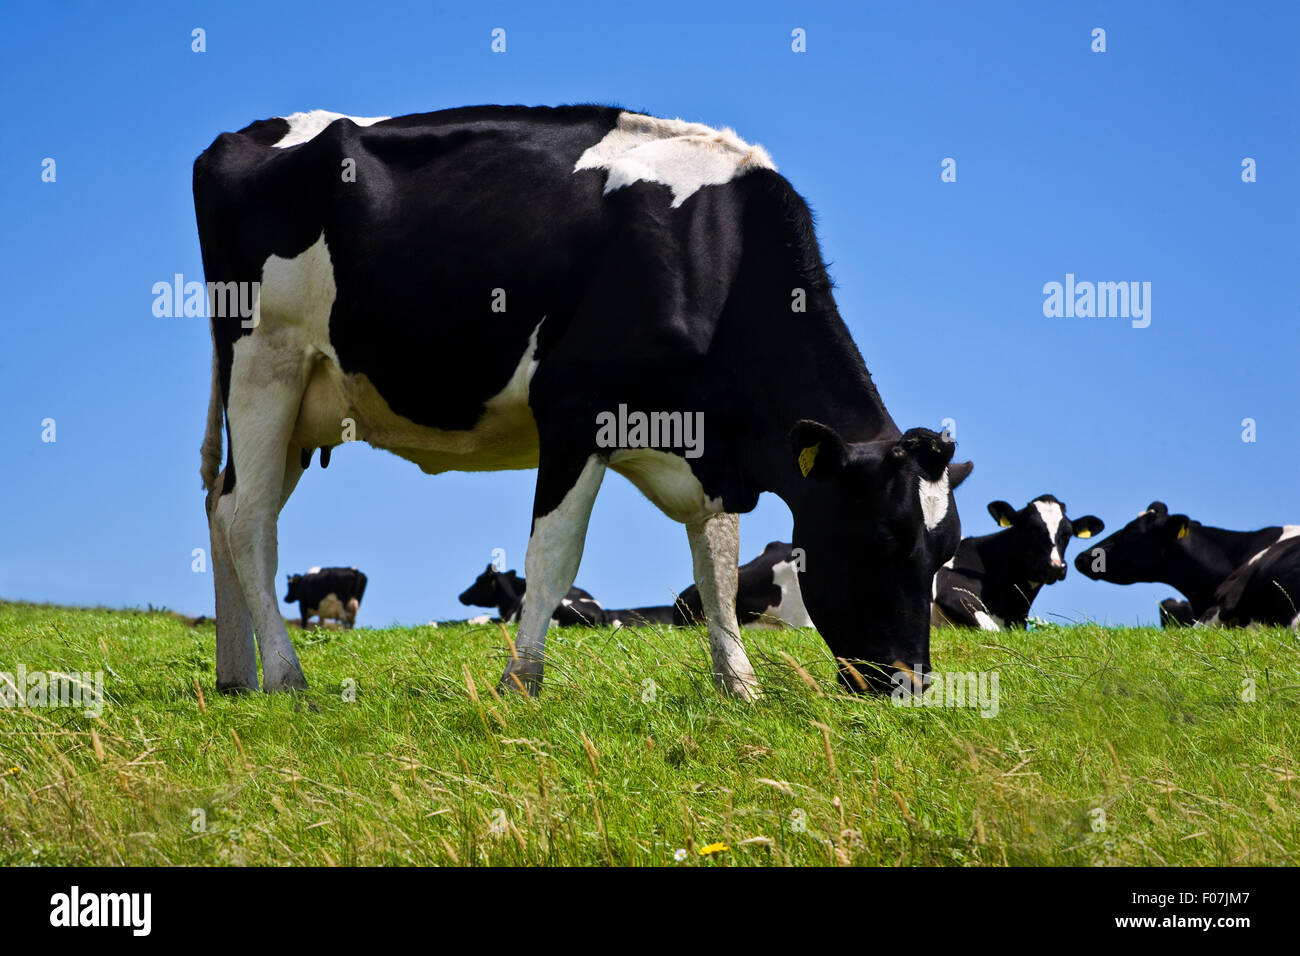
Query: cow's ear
[
  {"x": 818, "y": 450},
  {"x": 1178, "y": 525},
  {"x": 959, "y": 472},
  {"x": 1087, "y": 526},
  {"x": 1002, "y": 513},
  {"x": 1159, "y": 507}
]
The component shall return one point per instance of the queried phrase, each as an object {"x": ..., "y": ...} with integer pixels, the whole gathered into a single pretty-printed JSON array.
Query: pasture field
[{"x": 1110, "y": 746}]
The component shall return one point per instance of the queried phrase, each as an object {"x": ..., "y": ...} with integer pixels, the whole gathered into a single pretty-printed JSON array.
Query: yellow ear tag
[
  {"x": 1004, "y": 522},
  {"x": 1182, "y": 532},
  {"x": 807, "y": 457},
  {"x": 1083, "y": 534}
]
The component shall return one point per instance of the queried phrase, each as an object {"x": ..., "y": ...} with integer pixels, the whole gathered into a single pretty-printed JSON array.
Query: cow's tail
[{"x": 211, "y": 451}]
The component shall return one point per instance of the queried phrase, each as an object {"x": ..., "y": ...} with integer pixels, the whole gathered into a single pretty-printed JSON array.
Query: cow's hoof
[
  {"x": 745, "y": 689},
  {"x": 287, "y": 682},
  {"x": 521, "y": 682},
  {"x": 235, "y": 689}
]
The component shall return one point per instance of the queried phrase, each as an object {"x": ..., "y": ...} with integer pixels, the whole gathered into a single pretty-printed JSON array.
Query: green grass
[{"x": 428, "y": 766}]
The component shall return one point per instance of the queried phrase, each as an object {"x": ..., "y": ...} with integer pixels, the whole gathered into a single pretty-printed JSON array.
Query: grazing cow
[
  {"x": 333, "y": 593},
  {"x": 1264, "y": 590},
  {"x": 992, "y": 580},
  {"x": 504, "y": 590},
  {"x": 1176, "y": 613},
  {"x": 485, "y": 289},
  {"x": 767, "y": 592},
  {"x": 1175, "y": 550}
]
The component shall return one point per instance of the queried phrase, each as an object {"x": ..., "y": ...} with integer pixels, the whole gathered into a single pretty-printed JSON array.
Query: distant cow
[
  {"x": 1175, "y": 550},
  {"x": 505, "y": 591},
  {"x": 1264, "y": 590},
  {"x": 333, "y": 593},
  {"x": 491, "y": 290},
  {"x": 993, "y": 579}
]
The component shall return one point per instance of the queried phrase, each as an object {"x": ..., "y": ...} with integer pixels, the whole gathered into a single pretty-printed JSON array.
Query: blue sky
[{"x": 1115, "y": 166}]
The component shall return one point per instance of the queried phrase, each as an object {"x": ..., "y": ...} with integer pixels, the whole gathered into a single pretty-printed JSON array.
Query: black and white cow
[
  {"x": 505, "y": 591},
  {"x": 1264, "y": 590},
  {"x": 767, "y": 592},
  {"x": 993, "y": 579},
  {"x": 1175, "y": 550},
  {"x": 333, "y": 593},
  {"x": 483, "y": 288}
]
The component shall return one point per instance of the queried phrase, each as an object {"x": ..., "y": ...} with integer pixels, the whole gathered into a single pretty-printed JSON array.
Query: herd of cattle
[
  {"x": 479, "y": 289},
  {"x": 1232, "y": 578}
]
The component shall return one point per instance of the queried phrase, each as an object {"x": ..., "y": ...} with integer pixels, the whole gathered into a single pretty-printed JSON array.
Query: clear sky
[{"x": 1117, "y": 166}]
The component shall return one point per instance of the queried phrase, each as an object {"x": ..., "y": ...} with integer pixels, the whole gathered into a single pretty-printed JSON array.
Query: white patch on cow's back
[
  {"x": 667, "y": 480},
  {"x": 1052, "y": 515},
  {"x": 683, "y": 156},
  {"x": 307, "y": 126},
  {"x": 1288, "y": 531},
  {"x": 315, "y": 570},
  {"x": 790, "y": 607},
  {"x": 934, "y": 500}
]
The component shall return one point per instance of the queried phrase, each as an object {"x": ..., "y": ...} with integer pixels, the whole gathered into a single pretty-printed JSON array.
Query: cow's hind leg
[
  {"x": 560, "y": 513},
  {"x": 266, "y": 469},
  {"x": 236, "y": 651},
  {"x": 715, "y": 548}
]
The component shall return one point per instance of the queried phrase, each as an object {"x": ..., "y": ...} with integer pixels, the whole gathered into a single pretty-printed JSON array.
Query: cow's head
[
  {"x": 1139, "y": 551},
  {"x": 1040, "y": 533},
  {"x": 486, "y": 589},
  {"x": 292, "y": 596},
  {"x": 875, "y": 521}
]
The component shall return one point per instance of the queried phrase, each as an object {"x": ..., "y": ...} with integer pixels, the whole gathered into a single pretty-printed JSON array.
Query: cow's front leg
[
  {"x": 562, "y": 506},
  {"x": 715, "y": 550}
]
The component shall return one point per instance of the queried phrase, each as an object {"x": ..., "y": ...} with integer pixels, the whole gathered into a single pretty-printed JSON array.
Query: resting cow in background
[
  {"x": 505, "y": 591},
  {"x": 333, "y": 593},
  {"x": 1264, "y": 590},
  {"x": 767, "y": 592},
  {"x": 1175, "y": 550},
  {"x": 993, "y": 579},
  {"x": 557, "y": 266}
]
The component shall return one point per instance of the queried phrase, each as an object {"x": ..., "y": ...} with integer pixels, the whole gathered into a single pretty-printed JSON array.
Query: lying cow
[
  {"x": 1175, "y": 550},
  {"x": 556, "y": 266},
  {"x": 505, "y": 591},
  {"x": 327, "y": 593},
  {"x": 993, "y": 579},
  {"x": 767, "y": 592},
  {"x": 1264, "y": 590}
]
